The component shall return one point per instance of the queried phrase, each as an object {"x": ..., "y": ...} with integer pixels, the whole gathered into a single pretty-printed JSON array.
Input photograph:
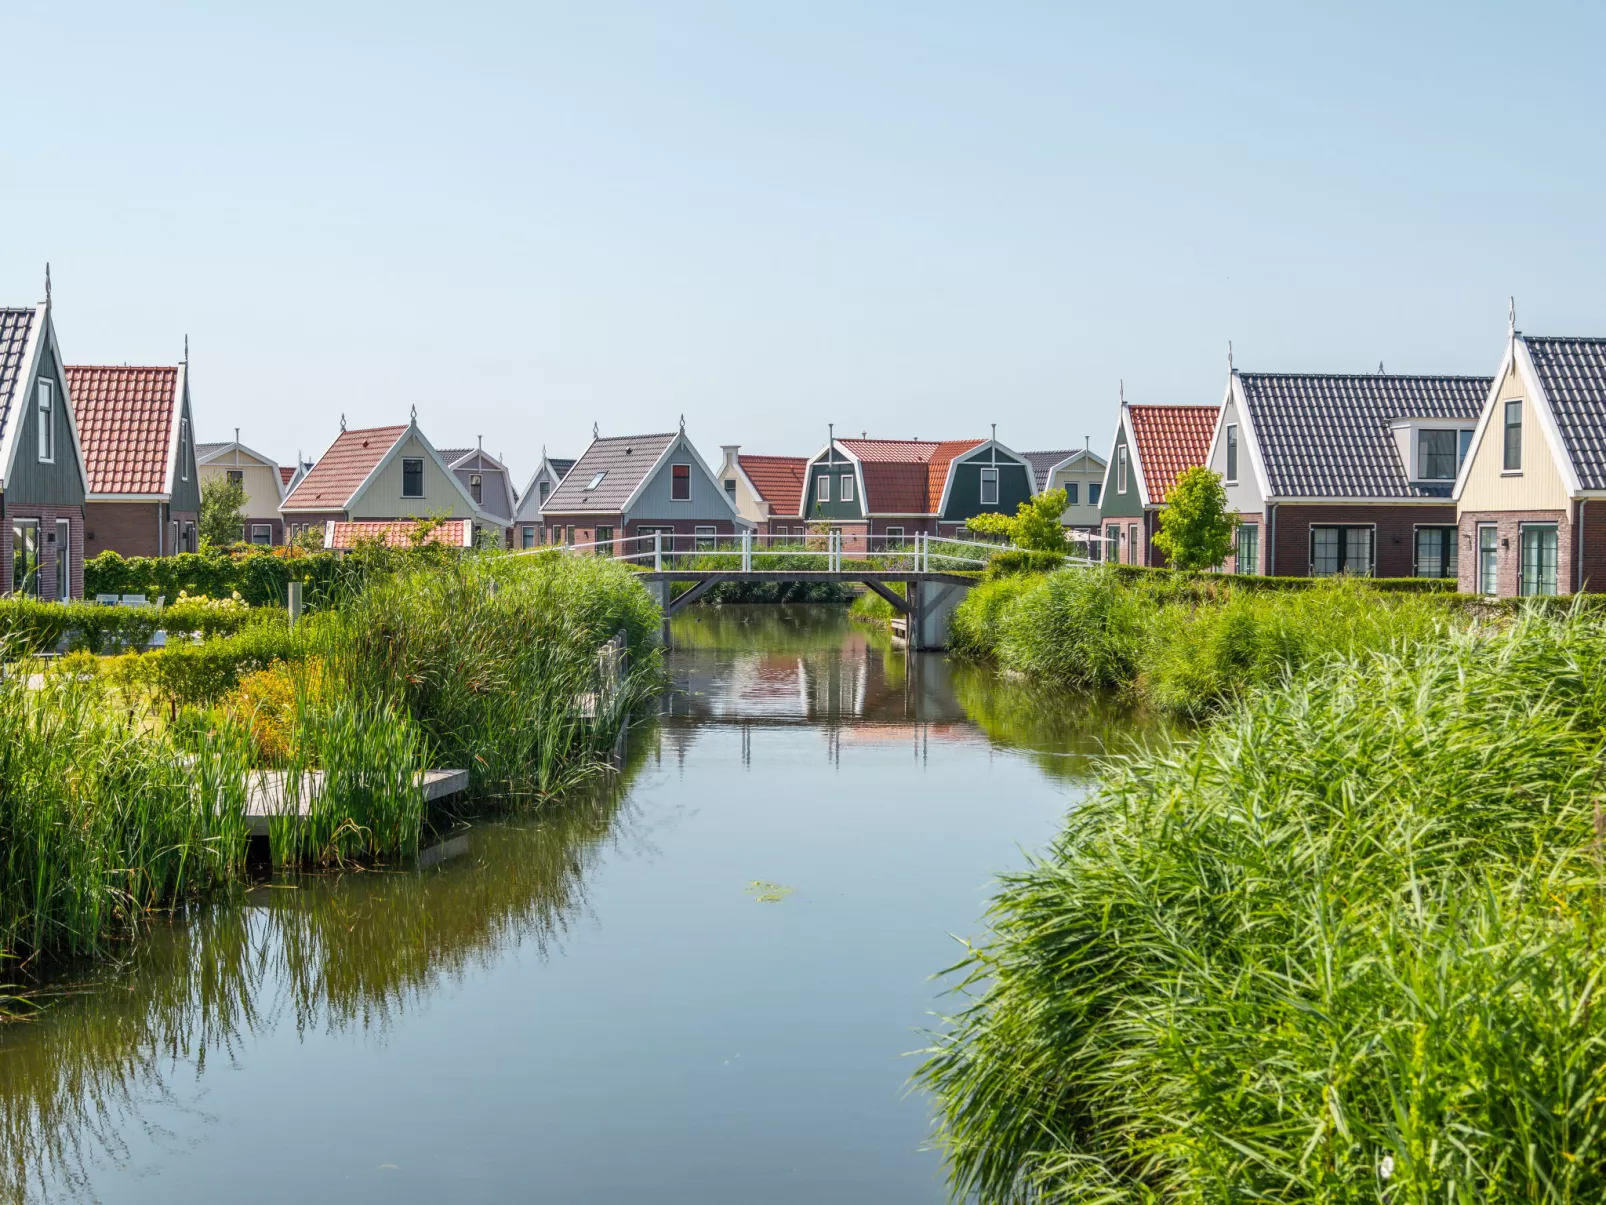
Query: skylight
[{"x": 597, "y": 480}]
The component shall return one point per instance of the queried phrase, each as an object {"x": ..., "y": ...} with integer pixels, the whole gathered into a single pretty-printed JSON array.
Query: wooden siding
[
  {"x": 1243, "y": 496},
  {"x": 1538, "y": 487},
  {"x": 833, "y": 464},
  {"x": 1084, "y": 473},
  {"x": 964, "y": 489},
  {"x": 1115, "y": 504},
  {"x": 261, "y": 481},
  {"x": 706, "y": 505},
  {"x": 32, "y": 483},
  {"x": 383, "y": 497},
  {"x": 186, "y": 496}
]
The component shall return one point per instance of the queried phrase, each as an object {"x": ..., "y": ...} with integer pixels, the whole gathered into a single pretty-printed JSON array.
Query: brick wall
[
  {"x": 47, "y": 516},
  {"x": 128, "y": 528},
  {"x": 1394, "y": 548},
  {"x": 1508, "y": 524},
  {"x": 1594, "y": 554}
]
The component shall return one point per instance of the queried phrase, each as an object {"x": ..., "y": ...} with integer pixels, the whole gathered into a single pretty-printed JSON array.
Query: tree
[
  {"x": 222, "y": 510},
  {"x": 1034, "y": 525},
  {"x": 1195, "y": 526}
]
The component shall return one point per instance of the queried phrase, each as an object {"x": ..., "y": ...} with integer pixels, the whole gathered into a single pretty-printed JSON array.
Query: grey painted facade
[{"x": 708, "y": 501}]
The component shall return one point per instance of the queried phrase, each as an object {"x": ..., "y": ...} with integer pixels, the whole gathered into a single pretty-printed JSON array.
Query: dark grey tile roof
[
  {"x": 1043, "y": 462},
  {"x": 15, "y": 326},
  {"x": 560, "y": 467},
  {"x": 202, "y": 451},
  {"x": 1573, "y": 374},
  {"x": 1328, "y": 436},
  {"x": 453, "y": 455},
  {"x": 626, "y": 459}
]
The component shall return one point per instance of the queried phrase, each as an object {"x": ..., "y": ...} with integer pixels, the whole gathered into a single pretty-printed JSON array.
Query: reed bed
[
  {"x": 1345, "y": 946},
  {"x": 1179, "y": 646}
]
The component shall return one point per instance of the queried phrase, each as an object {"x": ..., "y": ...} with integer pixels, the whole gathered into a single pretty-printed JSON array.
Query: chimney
[{"x": 730, "y": 451}]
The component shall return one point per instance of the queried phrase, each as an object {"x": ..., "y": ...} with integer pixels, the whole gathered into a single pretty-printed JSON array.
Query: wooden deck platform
[{"x": 266, "y": 790}]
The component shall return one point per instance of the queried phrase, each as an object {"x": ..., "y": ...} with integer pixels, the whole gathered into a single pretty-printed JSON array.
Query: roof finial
[
  {"x": 186, "y": 349},
  {"x": 47, "y": 282},
  {"x": 1229, "y": 355},
  {"x": 1380, "y": 368},
  {"x": 415, "y": 412},
  {"x": 1511, "y": 316},
  {"x": 479, "y": 441},
  {"x": 236, "y": 435},
  {"x": 683, "y": 424},
  {"x": 342, "y": 424},
  {"x": 596, "y": 432},
  {"x": 830, "y": 435},
  {"x": 995, "y": 432},
  {"x": 1121, "y": 389}
]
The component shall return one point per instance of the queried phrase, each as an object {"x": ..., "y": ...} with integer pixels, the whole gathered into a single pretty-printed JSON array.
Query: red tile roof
[
  {"x": 906, "y": 476},
  {"x": 331, "y": 482},
  {"x": 398, "y": 533},
  {"x": 286, "y": 471},
  {"x": 1168, "y": 440},
  {"x": 778, "y": 480},
  {"x": 125, "y": 422}
]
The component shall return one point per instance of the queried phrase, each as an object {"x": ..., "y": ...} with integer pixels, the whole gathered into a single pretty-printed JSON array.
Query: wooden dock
[{"x": 265, "y": 796}]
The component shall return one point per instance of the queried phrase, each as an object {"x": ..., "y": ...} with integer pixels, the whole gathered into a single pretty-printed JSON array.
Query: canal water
[{"x": 700, "y": 985}]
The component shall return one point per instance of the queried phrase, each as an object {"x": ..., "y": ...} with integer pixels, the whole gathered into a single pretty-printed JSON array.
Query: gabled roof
[
  {"x": 777, "y": 480},
  {"x": 16, "y": 329},
  {"x": 340, "y": 472},
  {"x": 1044, "y": 464},
  {"x": 204, "y": 452},
  {"x": 560, "y": 466},
  {"x": 453, "y": 455},
  {"x": 626, "y": 462},
  {"x": 1325, "y": 435},
  {"x": 1572, "y": 374},
  {"x": 397, "y": 533},
  {"x": 1167, "y": 441},
  {"x": 287, "y": 473},
  {"x": 128, "y": 423},
  {"x": 905, "y": 476}
]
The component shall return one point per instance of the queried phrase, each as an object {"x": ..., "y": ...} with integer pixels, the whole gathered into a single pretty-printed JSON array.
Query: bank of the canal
[{"x": 696, "y": 986}]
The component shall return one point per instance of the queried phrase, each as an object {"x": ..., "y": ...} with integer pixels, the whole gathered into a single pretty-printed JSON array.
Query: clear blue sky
[{"x": 915, "y": 219}]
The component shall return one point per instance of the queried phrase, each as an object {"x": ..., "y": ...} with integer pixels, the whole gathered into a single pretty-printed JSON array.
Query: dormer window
[
  {"x": 595, "y": 481},
  {"x": 1513, "y": 448},
  {"x": 1437, "y": 455}
]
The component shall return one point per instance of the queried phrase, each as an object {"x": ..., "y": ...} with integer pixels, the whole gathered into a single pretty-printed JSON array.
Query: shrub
[
  {"x": 1023, "y": 560},
  {"x": 1342, "y": 948}
]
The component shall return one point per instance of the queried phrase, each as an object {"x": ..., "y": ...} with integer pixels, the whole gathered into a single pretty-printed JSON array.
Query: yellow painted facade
[
  {"x": 260, "y": 479},
  {"x": 1489, "y": 487}
]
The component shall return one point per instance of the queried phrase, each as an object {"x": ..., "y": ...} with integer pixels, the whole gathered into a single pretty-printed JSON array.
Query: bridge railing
[{"x": 825, "y": 551}]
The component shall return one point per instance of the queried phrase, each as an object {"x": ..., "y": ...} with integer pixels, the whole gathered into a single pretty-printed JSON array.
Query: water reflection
[{"x": 869, "y": 779}]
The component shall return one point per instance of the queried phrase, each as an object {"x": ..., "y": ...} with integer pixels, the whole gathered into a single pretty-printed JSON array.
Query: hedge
[
  {"x": 260, "y": 576},
  {"x": 1250, "y": 581},
  {"x": 30, "y": 626}
]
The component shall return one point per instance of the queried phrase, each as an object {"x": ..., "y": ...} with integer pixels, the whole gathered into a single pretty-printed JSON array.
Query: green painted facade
[
  {"x": 31, "y": 481},
  {"x": 186, "y": 477},
  {"x": 834, "y": 465},
  {"x": 964, "y": 488},
  {"x": 1113, "y": 504}
]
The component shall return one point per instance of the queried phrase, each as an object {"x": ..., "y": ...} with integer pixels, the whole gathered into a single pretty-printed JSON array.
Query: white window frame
[
  {"x": 476, "y": 488},
  {"x": 419, "y": 461},
  {"x": 596, "y": 480},
  {"x": 822, "y": 488},
  {"x": 1133, "y": 544},
  {"x": 46, "y": 413},
  {"x": 989, "y": 476},
  {"x": 1505, "y": 430},
  {"x": 1479, "y": 550},
  {"x": 1120, "y": 469},
  {"x": 894, "y": 537},
  {"x": 845, "y": 488},
  {"x": 183, "y": 444},
  {"x": 701, "y": 533},
  {"x": 1232, "y": 454},
  {"x": 1072, "y": 493},
  {"x": 63, "y": 560},
  {"x": 1416, "y": 547},
  {"x": 266, "y": 531},
  {"x": 672, "y": 479}
]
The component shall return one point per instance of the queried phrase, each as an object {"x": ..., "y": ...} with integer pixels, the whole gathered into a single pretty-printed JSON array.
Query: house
[
  {"x": 381, "y": 474},
  {"x": 1080, "y": 473},
  {"x": 766, "y": 490},
  {"x": 529, "y": 528},
  {"x": 1531, "y": 494},
  {"x": 42, "y": 479},
  {"x": 626, "y": 489},
  {"x": 263, "y": 479},
  {"x": 486, "y": 479},
  {"x": 399, "y": 533},
  {"x": 890, "y": 489},
  {"x": 1344, "y": 473},
  {"x": 1154, "y": 445},
  {"x": 139, "y": 453}
]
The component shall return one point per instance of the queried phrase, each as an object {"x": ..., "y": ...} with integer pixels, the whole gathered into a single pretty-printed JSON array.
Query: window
[
  {"x": 475, "y": 488},
  {"x": 527, "y": 538},
  {"x": 1488, "y": 559},
  {"x": 894, "y": 537},
  {"x": 1112, "y": 543},
  {"x": 1513, "y": 461},
  {"x": 47, "y": 421},
  {"x": 989, "y": 487},
  {"x": 822, "y": 488},
  {"x": 1247, "y": 553},
  {"x": 1232, "y": 453},
  {"x": 707, "y": 539},
  {"x": 1340, "y": 550},
  {"x": 845, "y": 488},
  {"x": 1133, "y": 547},
  {"x": 730, "y": 488},
  {"x": 1436, "y": 552},
  {"x": 25, "y": 556},
  {"x": 191, "y": 544},
  {"x": 262, "y": 533},
  {"x": 1538, "y": 559},
  {"x": 183, "y": 449},
  {"x": 412, "y": 477},
  {"x": 1463, "y": 446},
  {"x": 1120, "y": 469},
  {"x": 237, "y": 476},
  {"x": 1094, "y": 488},
  {"x": 596, "y": 480},
  {"x": 545, "y": 489},
  {"x": 570, "y": 540},
  {"x": 63, "y": 559},
  {"x": 1070, "y": 493},
  {"x": 556, "y": 536},
  {"x": 1436, "y": 455},
  {"x": 680, "y": 483},
  {"x": 604, "y": 540}
]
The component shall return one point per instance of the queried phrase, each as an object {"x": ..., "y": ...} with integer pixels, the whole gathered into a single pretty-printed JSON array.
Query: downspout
[
  {"x": 1578, "y": 556},
  {"x": 1271, "y": 539}
]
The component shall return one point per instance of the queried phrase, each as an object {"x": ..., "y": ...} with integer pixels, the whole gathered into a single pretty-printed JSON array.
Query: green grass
[
  {"x": 1358, "y": 924},
  {"x": 1181, "y": 645}
]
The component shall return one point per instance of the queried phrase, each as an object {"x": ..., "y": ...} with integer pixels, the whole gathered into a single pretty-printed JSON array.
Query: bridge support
[{"x": 932, "y": 609}]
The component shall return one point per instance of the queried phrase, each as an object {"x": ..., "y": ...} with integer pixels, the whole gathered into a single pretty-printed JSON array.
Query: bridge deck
[{"x": 806, "y": 575}]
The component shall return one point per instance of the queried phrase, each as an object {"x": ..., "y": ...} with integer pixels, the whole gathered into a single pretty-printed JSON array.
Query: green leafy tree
[
  {"x": 1034, "y": 525},
  {"x": 1195, "y": 526},
  {"x": 222, "y": 511}
]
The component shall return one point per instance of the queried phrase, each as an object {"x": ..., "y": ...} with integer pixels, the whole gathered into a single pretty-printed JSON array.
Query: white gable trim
[
  {"x": 27, "y": 372},
  {"x": 1246, "y": 427},
  {"x": 985, "y": 445},
  {"x": 262, "y": 462},
  {"x": 1132, "y": 457},
  {"x": 1079, "y": 454},
  {"x": 1484, "y": 417},
  {"x": 858, "y": 481},
  {"x": 664, "y": 458},
  {"x": 175, "y": 425},
  {"x": 1547, "y": 420}
]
